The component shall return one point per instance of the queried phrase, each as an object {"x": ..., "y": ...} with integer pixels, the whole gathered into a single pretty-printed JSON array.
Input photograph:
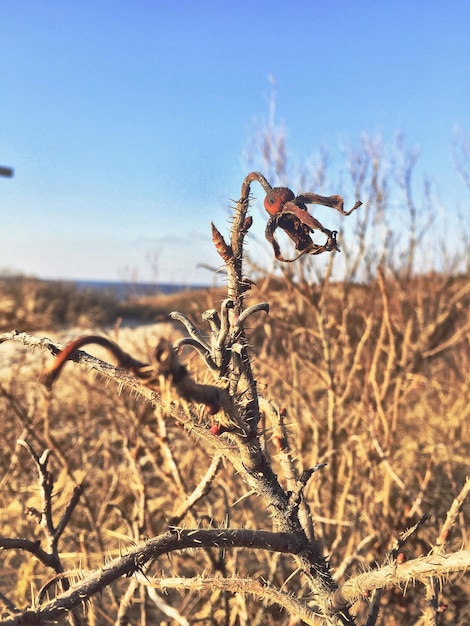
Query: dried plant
[{"x": 235, "y": 425}]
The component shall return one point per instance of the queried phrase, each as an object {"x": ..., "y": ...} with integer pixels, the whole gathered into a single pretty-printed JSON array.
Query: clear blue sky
[{"x": 126, "y": 121}]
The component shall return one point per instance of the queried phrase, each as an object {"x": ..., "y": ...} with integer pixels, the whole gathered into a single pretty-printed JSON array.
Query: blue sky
[{"x": 126, "y": 121}]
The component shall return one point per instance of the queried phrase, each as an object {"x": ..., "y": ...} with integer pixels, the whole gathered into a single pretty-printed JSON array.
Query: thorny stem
[
  {"x": 137, "y": 559},
  {"x": 70, "y": 352},
  {"x": 235, "y": 266},
  {"x": 260, "y": 475},
  {"x": 241, "y": 372},
  {"x": 53, "y": 533},
  {"x": 51, "y": 556},
  {"x": 391, "y": 557}
]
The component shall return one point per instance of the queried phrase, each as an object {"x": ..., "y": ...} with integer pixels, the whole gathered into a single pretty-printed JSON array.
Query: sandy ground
[{"x": 17, "y": 359}]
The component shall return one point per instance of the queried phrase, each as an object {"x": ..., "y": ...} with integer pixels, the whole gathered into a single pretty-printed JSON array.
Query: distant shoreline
[
  {"x": 125, "y": 289},
  {"x": 120, "y": 289}
]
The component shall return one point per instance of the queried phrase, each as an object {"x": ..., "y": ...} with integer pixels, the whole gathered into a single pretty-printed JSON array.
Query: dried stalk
[
  {"x": 265, "y": 592},
  {"x": 417, "y": 570}
]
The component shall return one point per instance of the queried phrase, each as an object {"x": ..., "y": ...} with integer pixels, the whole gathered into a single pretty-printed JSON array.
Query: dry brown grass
[
  {"x": 30, "y": 304},
  {"x": 373, "y": 379}
]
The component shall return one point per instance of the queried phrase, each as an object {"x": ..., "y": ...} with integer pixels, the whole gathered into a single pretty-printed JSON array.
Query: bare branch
[
  {"x": 415, "y": 570},
  {"x": 262, "y": 591},
  {"x": 137, "y": 558}
]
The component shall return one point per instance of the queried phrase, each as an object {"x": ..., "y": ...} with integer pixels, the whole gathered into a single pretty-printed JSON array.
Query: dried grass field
[{"x": 371, "y": 379}]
